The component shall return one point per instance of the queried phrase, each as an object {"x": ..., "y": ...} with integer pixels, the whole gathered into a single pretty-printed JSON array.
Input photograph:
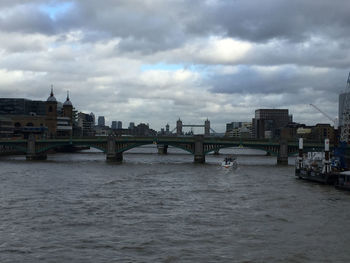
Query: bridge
[{"x": 197, "y": 145}]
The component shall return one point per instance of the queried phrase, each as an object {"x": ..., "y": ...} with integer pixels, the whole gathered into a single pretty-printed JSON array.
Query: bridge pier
[
  {"x": 216, "y": 152},
  {"x": 199, "y": 156},
  {"x": 114, "y": 158},
  {"x": 112, "y": 155},
  {"x": 32, "y": 155},
  {"x": 282, "y": 157},
  {"x": 162, "y": 149}
]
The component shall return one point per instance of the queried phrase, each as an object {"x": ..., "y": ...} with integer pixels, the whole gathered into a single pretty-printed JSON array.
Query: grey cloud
[
  {"x": 287, "y": 79},
  {"x": 27, "y": 19},
  {"x": 291, "y": 20},
  {"x": 310, "y": 47},
  {"x": 149, "y": 26}
]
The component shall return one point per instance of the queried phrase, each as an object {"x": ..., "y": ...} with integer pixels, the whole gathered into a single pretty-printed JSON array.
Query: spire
[
  {"x": 52, "y": 97},
  {"x": 67, "y": 102}
]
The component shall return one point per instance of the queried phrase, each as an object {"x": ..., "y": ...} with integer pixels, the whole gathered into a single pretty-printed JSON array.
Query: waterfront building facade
[
  {"x": 42, "y": 118},
  {"x": 268, "y": 123}
]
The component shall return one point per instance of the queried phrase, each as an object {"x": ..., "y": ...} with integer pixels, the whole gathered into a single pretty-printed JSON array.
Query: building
[
  {"x": 291, "y": 131},
  {"x": 42, "y": 118},
  {"x": 119, "y": 125},
  {"x": 239, "y": 130},
  {"x": 114, "y": 125},
  {"x": 6, "y": 127},
  {"x": 233, "y": 125},
  {"x": 131, "y": 125},
  {"x": 317, "y": 133},
  {"x": 320, "y": 132},
  {"x": 101, "y": 121},
  {"x": 86, "y": 124},
  {"x": 341, "y": 105},
  {"x": 93, "y": 118},
  {"x": 143, "y": 129},
  {"x": 17, "y": 106},
  {"x": 59, "y": 125},
  {"x": 268, "y": 123}
]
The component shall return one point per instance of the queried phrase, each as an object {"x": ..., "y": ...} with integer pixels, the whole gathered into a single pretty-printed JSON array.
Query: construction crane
[
  {"x": 335, "y": 121},
  {"x": 345, "y": 129}
]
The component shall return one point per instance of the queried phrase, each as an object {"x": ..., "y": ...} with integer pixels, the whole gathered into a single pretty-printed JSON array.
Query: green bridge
[{"x": 198, "y": 145}]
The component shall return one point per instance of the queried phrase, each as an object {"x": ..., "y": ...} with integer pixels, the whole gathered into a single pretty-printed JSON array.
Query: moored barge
[
  {"x": 317, "y": 167},
  {"x": 343, "y": 180}
]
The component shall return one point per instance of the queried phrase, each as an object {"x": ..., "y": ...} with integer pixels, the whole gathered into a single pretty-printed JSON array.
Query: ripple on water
[{"x": 166, "y": 209}]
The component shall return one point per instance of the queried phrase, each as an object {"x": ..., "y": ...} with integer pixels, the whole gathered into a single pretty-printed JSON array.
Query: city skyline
[{"x": 136, "y": 61}]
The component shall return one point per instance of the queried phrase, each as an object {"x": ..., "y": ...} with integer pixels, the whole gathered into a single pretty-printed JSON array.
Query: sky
[{"x": 155, "y": 61}]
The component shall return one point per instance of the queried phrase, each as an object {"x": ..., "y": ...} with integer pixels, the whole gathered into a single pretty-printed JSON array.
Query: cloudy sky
[{"x": 154, "y": 61}]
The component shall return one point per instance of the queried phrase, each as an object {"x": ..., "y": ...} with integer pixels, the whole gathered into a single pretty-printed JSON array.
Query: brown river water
[{"x": 155, "y": 208}]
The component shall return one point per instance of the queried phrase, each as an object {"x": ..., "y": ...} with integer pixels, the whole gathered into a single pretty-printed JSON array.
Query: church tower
[
  {"x": 51, "y": 114},
  {"x": 68, "y": 109}
]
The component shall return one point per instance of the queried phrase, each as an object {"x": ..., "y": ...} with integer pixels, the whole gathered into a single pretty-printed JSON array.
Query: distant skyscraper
[
  {"x": 114, "y": 125},
  {"x": 341, "y": 108},
  {"x": 93, "y": 118},
  {"x": 101, "y": 121},
  {"x": 86, "y": 123},
  {"x": 131, "y": 125},
  {"x": 119, "y": 125}
]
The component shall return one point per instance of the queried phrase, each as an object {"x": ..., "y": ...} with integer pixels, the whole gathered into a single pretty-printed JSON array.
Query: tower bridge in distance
[
  {"x": 180, "y": 125},
  {"x": 197, "y": 145}
]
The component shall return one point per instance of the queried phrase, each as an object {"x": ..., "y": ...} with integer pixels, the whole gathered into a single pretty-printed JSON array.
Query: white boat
[{"x": 229, "y": 162}]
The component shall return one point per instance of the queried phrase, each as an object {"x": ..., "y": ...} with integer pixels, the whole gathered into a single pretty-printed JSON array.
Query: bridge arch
[
  {"x": 268, "y": 151},
  {"x": 19, "y": 148},
  {"x": 46, "y": 148},
  {"x": 130, "y": 146}
]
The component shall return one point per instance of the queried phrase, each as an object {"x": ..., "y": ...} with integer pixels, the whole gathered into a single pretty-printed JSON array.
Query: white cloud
[{"x": 235, "y": 58}]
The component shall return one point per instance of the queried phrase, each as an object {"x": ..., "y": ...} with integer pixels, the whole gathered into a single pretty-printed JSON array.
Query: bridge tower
[
  {"x": 167, "y": 129},
  {"x": 179, "y": 127},
  {"x": 207, "y": 128},
  {"x": 51, "y": 114}
]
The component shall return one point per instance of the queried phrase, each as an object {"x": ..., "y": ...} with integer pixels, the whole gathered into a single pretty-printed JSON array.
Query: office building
[
  {"x": 86, "y": 124},
  {"x": 342, "y": 98},
  {"x": 269, "y": 122},
  {"x": 239, "y": 129},
  {"x": 101, "y": 121},
  {"x": 114, "y": 125},
  {"x": 119, "y": 125},
  {"x": 131, "y": 125},
  {"x": 18, "y": 106}
]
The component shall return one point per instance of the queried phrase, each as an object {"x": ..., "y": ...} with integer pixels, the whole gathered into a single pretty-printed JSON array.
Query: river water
[{"x": 152, "y": 208}]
